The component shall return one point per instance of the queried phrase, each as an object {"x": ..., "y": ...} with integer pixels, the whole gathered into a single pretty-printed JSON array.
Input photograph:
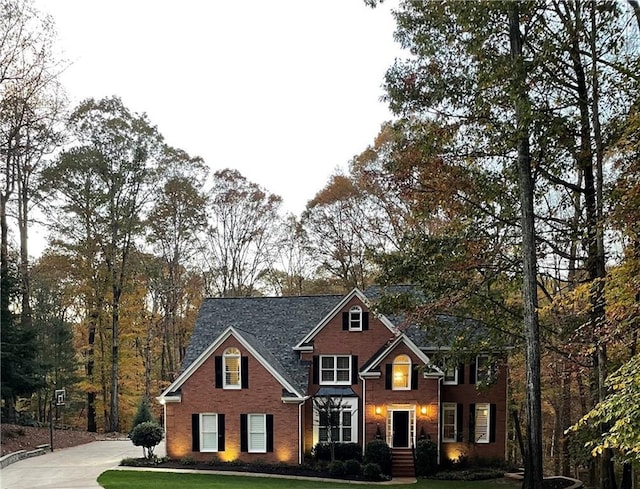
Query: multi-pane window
[
  {"x": 482, "y": 420},
  {"x": 450, "y": 373},
  {"x": 257, "y": 433},
  {"x": 401, "y": 373},
  {"x": 208, "y": 432},
  {"x": 449, "y": 422},
  {"x": 231, "y": 361},
  {"x": 355, "y": 318},
  {"x": 335, "y": 369},
  {"x": 337, "y": 425},
  {"x": 483, "y": 369}
]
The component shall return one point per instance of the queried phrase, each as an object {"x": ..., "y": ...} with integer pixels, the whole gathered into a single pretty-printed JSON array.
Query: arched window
[
  {"x": 355, "y": 318},
  {"x": 401, "y": 373},
  {"x": 231, "y": 366}
]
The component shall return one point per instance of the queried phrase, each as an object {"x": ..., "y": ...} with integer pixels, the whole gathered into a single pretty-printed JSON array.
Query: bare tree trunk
[{"x": 533, "y": 462}]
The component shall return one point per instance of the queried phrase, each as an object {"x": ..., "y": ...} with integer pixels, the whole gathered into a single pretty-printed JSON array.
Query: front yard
[{"x": 132, "y": 479}]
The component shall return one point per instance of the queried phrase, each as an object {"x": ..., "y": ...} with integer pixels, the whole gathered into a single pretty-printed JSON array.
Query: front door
[{"x": 400, "y": 429}]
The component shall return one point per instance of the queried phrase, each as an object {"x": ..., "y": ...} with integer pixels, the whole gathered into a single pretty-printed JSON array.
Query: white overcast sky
[{"x": 285, "y": 91}]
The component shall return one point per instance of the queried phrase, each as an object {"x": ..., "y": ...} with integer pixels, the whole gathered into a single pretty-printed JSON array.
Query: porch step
[{"x": 402, "y": 463}]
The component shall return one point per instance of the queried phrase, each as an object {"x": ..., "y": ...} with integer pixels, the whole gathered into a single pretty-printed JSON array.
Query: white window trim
[
  {"x": 351, "y": 405},
  {"x": 455, "y": 374},
  {"x": 335, "y": 370},
  {"x": 358, "y": 327},
  {"x": 393, "y": 373},
  {"x": 262, "y": 433},
  {"x": 488, "y": 367},
  {"x": 454, "y": 407},
  {"x": 487, "y": 434},
  {"x": 226, "y": 355},
  {"x": 202, "y": 432}
]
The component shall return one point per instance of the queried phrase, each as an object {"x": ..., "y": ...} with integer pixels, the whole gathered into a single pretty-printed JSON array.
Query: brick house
[{"x": 255, "y": 365}]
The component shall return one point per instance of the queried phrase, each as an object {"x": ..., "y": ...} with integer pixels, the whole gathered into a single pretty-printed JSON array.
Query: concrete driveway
[{"x": 69, "y": 468}]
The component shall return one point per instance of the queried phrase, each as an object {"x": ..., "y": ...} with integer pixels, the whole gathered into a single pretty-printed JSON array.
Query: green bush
[
  {"x": 337, "y": 468},
  {"x": 143, "y": 414},
  {"x": 188, "y": 460},
  {"x": 378, "y": 452},
  {"x": 352, "y": 467},
  {"x": 426, "y": 457},
  {"x": 342, "y": 451},
  {"x": 147, "y": 435},
  {"x": 372, "y": 472}
]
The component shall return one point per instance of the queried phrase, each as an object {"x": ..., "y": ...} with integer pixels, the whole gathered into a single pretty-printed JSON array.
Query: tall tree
[{"x": 241, "y": 239}]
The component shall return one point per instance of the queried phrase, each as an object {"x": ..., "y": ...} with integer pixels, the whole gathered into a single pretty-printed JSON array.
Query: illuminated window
[
  {"x": 449, "y": 422},
  {"x": 231, "y": 367},
  {"x": 335, "y": 369},
  {"x": 401, "y": 373}
]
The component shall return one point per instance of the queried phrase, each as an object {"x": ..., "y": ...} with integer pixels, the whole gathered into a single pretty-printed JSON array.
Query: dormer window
[
  {"x": 355, "y": 318},
  {"x": 231, "y": 367},
  {"x": 401, "y": 373}
]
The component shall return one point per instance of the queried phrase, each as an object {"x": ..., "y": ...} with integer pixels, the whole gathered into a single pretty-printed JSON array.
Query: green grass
[{"x": 130, "y": 479}]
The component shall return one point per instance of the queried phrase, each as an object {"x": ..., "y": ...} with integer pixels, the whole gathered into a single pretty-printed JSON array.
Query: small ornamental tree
[
  {"x": 143, "y": 414},
  {"x": 147, "y": 435}
]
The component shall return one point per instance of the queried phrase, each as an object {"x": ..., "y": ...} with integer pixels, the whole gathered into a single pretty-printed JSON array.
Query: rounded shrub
[
  {"x": 426, "y": 457},
  {"x": 337, "y": 468},
  {"x": 147, "y": 435},
  {"x": 378, "y": 452},
  {"x": 372, "y": 472},
  {"x": 352, "y": 467}
]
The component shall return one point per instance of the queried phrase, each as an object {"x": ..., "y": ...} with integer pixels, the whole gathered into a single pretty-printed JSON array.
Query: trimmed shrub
[
  {"x": 352, "y": 467},
  {"x": 378, "y": 452},
  {"x": 342, "y": 451},
  {"x": 426, "y": 457},
  {"x": 188, "y": 460},
  {"x": 372, "y": 472},
  {"x": 147, "y": 435},
  {"x": 337, "y": 468}
]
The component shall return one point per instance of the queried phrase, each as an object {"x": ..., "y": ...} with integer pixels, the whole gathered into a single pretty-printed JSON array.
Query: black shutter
[
  {"x": 365, "y": 321},
  {"x": 388, "y": 374},
  {"x": 244, "y": 439},
  {"x": 472, "y": 423},
  {"x": 354, "y": 369},
  {"x": 218, "y": 373},
  {"x": 472, "y": 373},
  {"x": 195, "y": 432},
  {"x": 492, "y": 423},
  {"x": 461, "y": 373},
  {"x": 459, "y": 428},
  {"x": 415, "y": 372},
  {"x": 221, "y": 432},
  {"x": 244, "y": 372},
  {"x": 269, "y": 432},
  {"x": 316, "y": 370},
  {"x": 345, "y": 321}
]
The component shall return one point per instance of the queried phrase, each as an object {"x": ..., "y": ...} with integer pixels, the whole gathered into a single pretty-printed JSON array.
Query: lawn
[{"x": 130, "y": 479}]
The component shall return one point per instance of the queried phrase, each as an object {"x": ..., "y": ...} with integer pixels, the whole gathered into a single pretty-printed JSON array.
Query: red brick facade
[{"x": 399, "y": 416}]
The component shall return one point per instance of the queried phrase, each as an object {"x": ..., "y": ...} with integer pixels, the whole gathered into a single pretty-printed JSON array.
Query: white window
[
  {"x": 449, "y": 422},
  {"x": 335, "y": 369},
  {"x": 208, "y": 432},
  {"x": 231, "y": 368},
  {"x": 257, "y": 433},
  {"x": 483, "y": 369},
  {"x": 355, "y": 318},
  {"x": 341, "y": 423},
  {"x": 401, "y": 373},
  {"x": 450, "y": 372},
  {"x": 481, "y": 429}
]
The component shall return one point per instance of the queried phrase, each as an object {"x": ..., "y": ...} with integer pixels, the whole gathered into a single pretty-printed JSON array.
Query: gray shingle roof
[{"x": 271, "y": 325}]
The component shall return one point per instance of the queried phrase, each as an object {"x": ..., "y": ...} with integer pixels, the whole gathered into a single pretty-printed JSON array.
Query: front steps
[{"x": 402, "y": 463}]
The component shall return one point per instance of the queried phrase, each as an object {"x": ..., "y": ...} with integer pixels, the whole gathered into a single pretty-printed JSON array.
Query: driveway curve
[{"x": 69, "y": 468}]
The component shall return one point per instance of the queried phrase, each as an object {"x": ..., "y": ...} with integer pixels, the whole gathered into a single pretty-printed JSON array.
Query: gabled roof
[
  {"x": 303, "y": 344},
  {"x": 270, "y": 326},
  {"x": 371, "y": 367}
]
